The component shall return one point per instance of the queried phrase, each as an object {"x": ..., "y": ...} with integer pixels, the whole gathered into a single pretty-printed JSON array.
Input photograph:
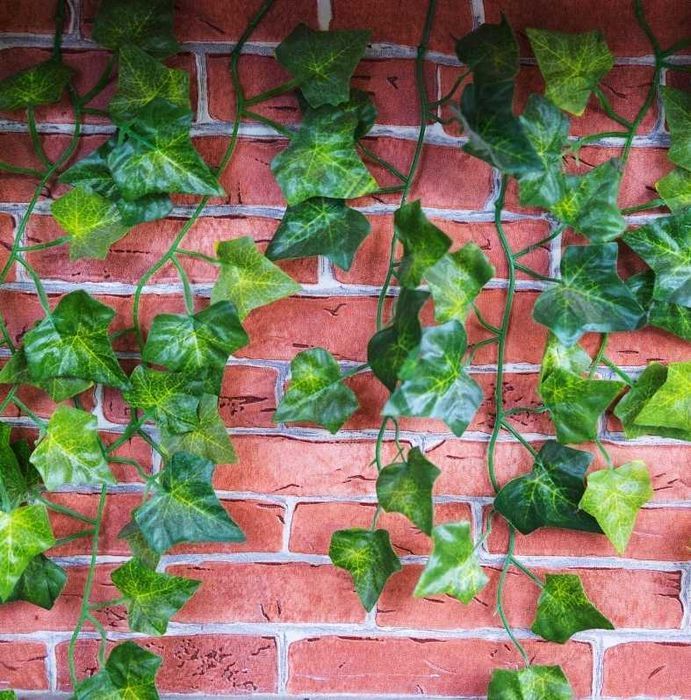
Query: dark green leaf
[
  {"x": 41, "y": 84},
  {"x": 675, "y": 190},
  {"x": 529, "y": 683},
  {"x": 365, "y": 111},
  {"x": 670, "y": 317},
  {"x": 491, "y": 52},
  {"x": 40, "y": 584},
  {"x": 678, "y": 112},
  {"x": 8, "y": 695},
  {"x": 138, "y": 545},
  {"x": 14, "y": 486}
]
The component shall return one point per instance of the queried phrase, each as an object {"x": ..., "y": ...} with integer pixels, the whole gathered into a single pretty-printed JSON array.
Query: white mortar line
[{"x": 324, "y": 14}]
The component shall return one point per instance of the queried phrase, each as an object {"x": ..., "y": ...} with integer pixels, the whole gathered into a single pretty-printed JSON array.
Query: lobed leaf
[
  {"x": 661, "y": 314},
  {"x": 138, "y": 545},
  {"x": 670, "y": 405},
  {"x": 42, "y": 84},
  {"x": 529, "y": 683},
  {"x": 491, "y": 52},
  {"x": 675, "y": 190},
  {"x": 41, "y": 583},
  {"x": 677, "y": 104}
]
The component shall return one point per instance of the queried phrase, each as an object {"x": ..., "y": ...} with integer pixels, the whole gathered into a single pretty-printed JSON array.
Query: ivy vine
[{"x": 173, "y": 392}]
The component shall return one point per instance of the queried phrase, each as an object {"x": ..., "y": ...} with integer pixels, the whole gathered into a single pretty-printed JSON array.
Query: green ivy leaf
[
  {"x": 406, "y": 487},
  {"x": 670, "y": 405},
  {"x": 549, "y": 495},
  {"x": 670, "y": 317},
  {"x": 24, "y": 533},
  {"x": 129, "y": 673},
  {"x": 456, "y": 279},
  {"x": 142, "y": 79},
  {"x": 92, "y": 222},
  {"x": 147, "y": 24},
  {"x": 316, "y": 392},
  {"x": 675, "y": 190},
  {"x": 151, "y": 598},
  {"x": 138, "y": 545},
  {"x": 589, "y": 297},
  {"x": 42, "y": 84},
  {"x": 73, "y": 342},
  {"x": 529, "y": 683},
  {"x": 247, "y": 278},
  {"x": 184, "y": 507},
  {"x": 677, "y": 105},
  {"x": 40, "y": 584},
  {"x": 491, "y": 52},
  {"x": 368, "y": 557},
  {"x": 8, "y": 695},
  {"x": 322, "y": 62},
  {"x": 571, "y": 64},
  {"x": 570, "y": 358},
  {"x": 14, "y": 485},
  {"x": 665, "y": 244},
  {"x": 452, "y": 568},
  {"x": 70, "y": 451},
  {"x": 614, "y": 497},
  {"x": 320, "y": 226},
  {"x": 389, "y": 347},
  {"x": 434, "y": 384}
]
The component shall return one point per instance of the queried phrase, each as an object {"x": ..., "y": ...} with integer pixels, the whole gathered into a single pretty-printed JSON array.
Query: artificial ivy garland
[{"x": 129, "y": 180}]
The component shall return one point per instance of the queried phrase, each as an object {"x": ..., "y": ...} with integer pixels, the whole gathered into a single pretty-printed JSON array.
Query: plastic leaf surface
[
  {"x": 529, "y": 683},
  {"x": 41, "y": 84},
  {"x": 675, "y": 190},
  {"x": 678, "y": 112},
  {"x": 40, "y": 584}
]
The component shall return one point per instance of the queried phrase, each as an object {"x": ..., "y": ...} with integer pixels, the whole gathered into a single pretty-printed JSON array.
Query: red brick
[
  {"x": 269, "y": 593},
  {"x": 647, "y": 669},
  {"x": 29, "y": 16},
  {"x": 198, "y": 663},
  {"x": 314, "y": 523},
  {"x": 23, "y": 665},
  {"x": 452, "y": 667}
]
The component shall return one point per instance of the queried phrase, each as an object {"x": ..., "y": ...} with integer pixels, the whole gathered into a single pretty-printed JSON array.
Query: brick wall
[{"x": 272, "y": 615}]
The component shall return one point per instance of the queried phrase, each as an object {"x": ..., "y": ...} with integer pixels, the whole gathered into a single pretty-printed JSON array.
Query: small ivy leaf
[
  {"x": 670, "y": 317},
  {"x": 14, "y": 484},
  {"x": 321, "y": 159},
  {"x": 529, "y": 683},
  {"x": 571, "y": 64},
  {"x": 570, "y": 358},
  {"x": 614, "y": 497},
  {"x": 42, "y": 84},
  {"x": 675, "y": 190},
  {"x": 549, "y": 495},
  {"x": 184, "y": 507},
  {"x": 247, "y": 278},
  {"x": 25, "y": 532},
  {"x": 665, "y": 244},
  {"x": 589, "y": 203},
  {"x": 368, "y": 557},
  {"x": 452, "y": 568},
  {"x": 8, "y": 695},
  {"x": 40, "y": 584},
  {"x": 70, "y": 451},
  {"x": 320, "y": 226},
  {"x": 491, "y": 52},
  {"x": 589, "y": 297},
  {"x": 73, "y": 342},
  {"x": 677, "y": 105},
  {"x": 389, "y": 347},
  {"x": 147, "y": 24},
  {"x": 142, "y": 79},
  {"x": 670, "y": 405},
  {"x": 138, "y": 545},
  {"x": 563, "y": 609},
  {"x": 406, "y": 487},
  {"x": 316, "y": 392},
  {"x": 322, "y": 62},
  {"x": 158, "y": 156},
  {"x": 130, "y": 672},
  {"x": 423, "y": 243},
  {"x": 151, "y": 598},
  {"x": 456, "y": 279},
  {"x": 434, "y": 384},
  {"x": 92, "y": 222}
]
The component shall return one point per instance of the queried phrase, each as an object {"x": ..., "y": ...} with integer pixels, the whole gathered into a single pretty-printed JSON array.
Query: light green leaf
[
  {"x": 677, "y": 105},
  {"x": 138, "y": 545},
  {"x": 529, "y": 683},
  {"x": 491, "y": 52},
  {"x": 41, "y": 583},
  {"x": 247, "y": 278},
  {"x": 70, "y": 451},
  {"x": 453, "y": 568},
  {"x": 670, "y": 405},
  {"x": 368, "y": 557},
  {"x": 570, "y": 358},
  {"x": 42, "y": 84},
  {"x": 670, "y": 317},
  {"x": 614, "y": 497},
  {"x": 675, "y": 190},
  {"x": 8, "y": 695}
]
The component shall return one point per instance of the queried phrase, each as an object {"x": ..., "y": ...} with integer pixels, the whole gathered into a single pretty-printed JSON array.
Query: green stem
[
  {"x": 284, "y": 130},
  {"x": 603, "y": 452},
  {"x": 509, "y": 428},
  {"x": 186, "y": 286},
  {"x": 643, "y": 24},
  {"x": 17, "y": 170},
  {"x": 75, "y": 536},
  {"x": 532, "y": 273},
  {"x": 64, "y": 510},
  {"x": 598, "y": 357},
  {"x": 43, "y": 246},
  {"x": 355, "y": 370},
  {"x": 130, "y": 430},
  {"x": 381, "y": 161},
  {"x": 59, "y": 25},
  {"x": 281, "y": 89},
  {"x": 199, "y": 256},
  {"x": 534, "y": 246},
  {"x": 618, "y": 371},
  {"x": 100, "y": 85},
  {"x": 483, "y": 322},
  {"x": 449, "y": 95},
  {"x": 26, "y": 410},
  {"x": 609, "y": 110},
  {"x": 36, "y": 139},
  {"x": 531, "y": 575},
  {"x": 652, "y": 204}
]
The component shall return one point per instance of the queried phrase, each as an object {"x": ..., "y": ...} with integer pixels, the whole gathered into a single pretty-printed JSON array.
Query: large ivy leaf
[
  {"x": 677, "y": 105},
  {"x": 549, "y": 495},
  {"x": 614, "y": 497},
  {"x": 670, "y": 405},
  {"x": 389, "y": 347},
  {"x": 129, "y": 674},
  {"x": 321, "y": 159},
  {"x": 316, "y": 393},
  {"x": 453, "y": 568},
  {"x": 665, "y": 244},
  {"x": 70, "y": 451},
  {"x": 434, "y": 384},
  {"x": 40, "y": 584},
  {"x": 670, "y": 317},
  {"x": 423, "y": 243},
  {"x": 151, "y": 598},
  {"x": 41, "y": 84},
  {"x": 368, "y": 557},
  {"x": 92, "y": 222},
  {"x": 158, "y": 156},
  {"x": 184, "y": 507},
  {"x": 491, "y": 52},
  {"x": 456, "y": 279},
  {"x": 571, "y": 64},
  {"x": 322, "y": 62},
  {"x": 406, "y": 487},
  {"x": 142, "y": 79},
  {"x": 320, "y": 226},
  {"x": 147, "y": 24},
  {"x": 529, "y": 683},
  {"x": 675, "y": 190},
  {"x": 589, "y": 297},
  {"x": 73, "y": 342},
  {"x": 25, "y": 532},
  {"x": 247, "y": 278}
]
